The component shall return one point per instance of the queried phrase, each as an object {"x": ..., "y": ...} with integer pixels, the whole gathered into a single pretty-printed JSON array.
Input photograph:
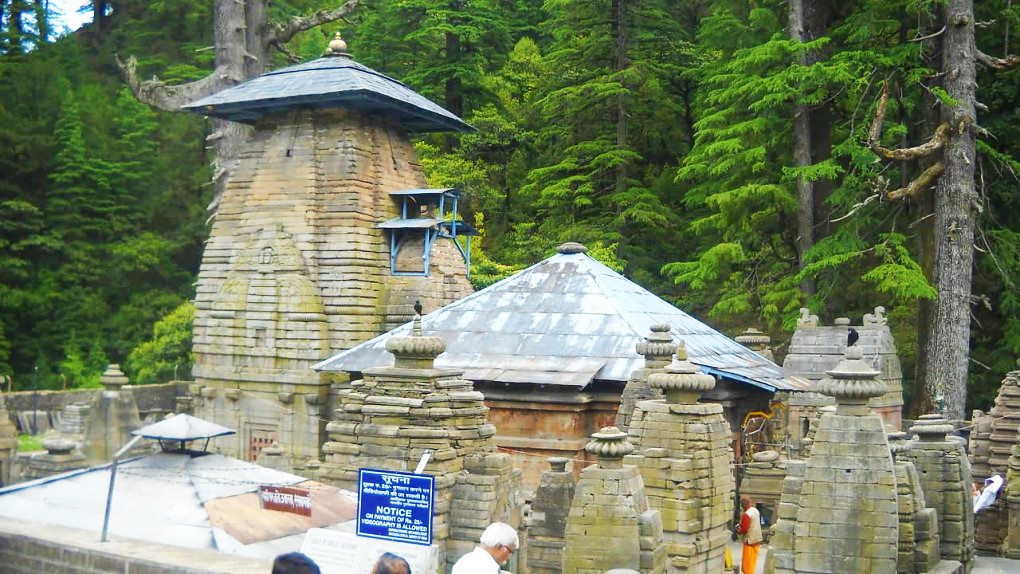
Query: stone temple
[{"x": 325, "y": 237}]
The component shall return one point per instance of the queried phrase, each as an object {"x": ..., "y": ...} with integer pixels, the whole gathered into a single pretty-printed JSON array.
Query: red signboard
[{"x": 286, "y": 499}]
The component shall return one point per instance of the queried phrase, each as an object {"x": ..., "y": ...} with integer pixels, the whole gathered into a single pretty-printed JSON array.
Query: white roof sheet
[{"x": 159, "y": 498}]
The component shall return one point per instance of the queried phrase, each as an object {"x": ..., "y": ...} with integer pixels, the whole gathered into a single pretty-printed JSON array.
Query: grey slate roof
[
  {"x": 566, "y": 321},
  {"x": 329, "y": 82}
]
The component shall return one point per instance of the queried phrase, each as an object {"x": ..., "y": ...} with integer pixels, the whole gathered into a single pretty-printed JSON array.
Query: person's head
[
  {"x": 500, "y": 541},
  {"x": 746, "y": 502},
  {"x": 391, "y": 564},
  {"x": 294, "y": 563}
]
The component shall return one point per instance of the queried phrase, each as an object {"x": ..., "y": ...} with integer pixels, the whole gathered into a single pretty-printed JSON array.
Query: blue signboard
[{"x": 395, "y": 505}]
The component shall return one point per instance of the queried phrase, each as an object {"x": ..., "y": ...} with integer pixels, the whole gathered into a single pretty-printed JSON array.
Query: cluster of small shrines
[{"x": 614, "y": 430}]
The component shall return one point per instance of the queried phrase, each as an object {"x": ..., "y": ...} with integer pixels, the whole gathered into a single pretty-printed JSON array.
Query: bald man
[{"x": 750, "y": 528}]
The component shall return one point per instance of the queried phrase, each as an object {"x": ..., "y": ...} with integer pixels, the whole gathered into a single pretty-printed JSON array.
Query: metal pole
[{"x": 113, "y": 477}]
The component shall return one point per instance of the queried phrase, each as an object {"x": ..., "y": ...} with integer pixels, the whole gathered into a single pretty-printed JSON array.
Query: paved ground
[{"x": 982, "y": 564}]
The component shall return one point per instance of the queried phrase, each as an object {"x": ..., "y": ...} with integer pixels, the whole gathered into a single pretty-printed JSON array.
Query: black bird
[
  {"x": 417, "y": 307},
  {"x": 852, "y": 336}
]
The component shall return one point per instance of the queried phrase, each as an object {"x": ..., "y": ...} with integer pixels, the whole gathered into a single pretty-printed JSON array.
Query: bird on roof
[
  {"x": 852, "y": 336},
  {"x": 417, "y": 307}
]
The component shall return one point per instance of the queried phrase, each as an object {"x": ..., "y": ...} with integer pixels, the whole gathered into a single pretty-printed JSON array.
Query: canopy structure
[{"x": 334, "y": 81}]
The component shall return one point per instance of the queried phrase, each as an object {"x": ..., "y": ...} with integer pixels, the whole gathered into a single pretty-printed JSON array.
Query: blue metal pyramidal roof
[{"x": 334, "y": 81}]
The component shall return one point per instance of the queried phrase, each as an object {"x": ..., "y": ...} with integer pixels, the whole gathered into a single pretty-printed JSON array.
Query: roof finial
[{"x": 337, "y": 47}]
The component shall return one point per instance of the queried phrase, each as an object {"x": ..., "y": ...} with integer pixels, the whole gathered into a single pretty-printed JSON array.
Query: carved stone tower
[
  {"x": 839, "y": 512},
  {"x": 308, "y": 254}
]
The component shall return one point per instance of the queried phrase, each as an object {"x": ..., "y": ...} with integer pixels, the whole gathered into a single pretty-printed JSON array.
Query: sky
[{"x": 69, "y": 17}]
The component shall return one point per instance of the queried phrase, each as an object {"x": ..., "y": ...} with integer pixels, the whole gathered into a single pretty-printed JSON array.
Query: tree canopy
[{"x": 741, "y": 159}]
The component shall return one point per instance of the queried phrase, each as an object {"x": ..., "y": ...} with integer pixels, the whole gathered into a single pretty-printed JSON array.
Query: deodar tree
[{"x": 244, "y": 38}]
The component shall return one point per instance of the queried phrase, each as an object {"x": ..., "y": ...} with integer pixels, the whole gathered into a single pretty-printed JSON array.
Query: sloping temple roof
[
  {"x": 333, "y": 81},
  {"x": 566, "y": 320}
]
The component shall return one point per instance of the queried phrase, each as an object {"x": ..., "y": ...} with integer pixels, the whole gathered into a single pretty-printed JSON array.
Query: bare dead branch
[
  {"x": 934, "y": 144},
  {"x": 858, "y": 206},
  {"x": 929, "y": 36},
  {"x": 283, "y": 32},
  {"x": 876, "y": 123},
  {"x": 292, "y": 57},
  {"x": 169, "y": 98},
  {"x": 920, "y": 183},
  {"x": 1010, "y": 61}
]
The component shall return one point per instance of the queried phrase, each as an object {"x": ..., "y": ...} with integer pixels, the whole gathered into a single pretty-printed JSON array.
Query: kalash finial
[
  {"x": 337, "y": 47},
  {"x": 415, "y": 351},
  {"x": 682, "y": 381}
]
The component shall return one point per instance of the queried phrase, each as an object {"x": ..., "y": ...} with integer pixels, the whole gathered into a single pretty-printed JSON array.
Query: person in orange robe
[{"x": 750, "y": 528}]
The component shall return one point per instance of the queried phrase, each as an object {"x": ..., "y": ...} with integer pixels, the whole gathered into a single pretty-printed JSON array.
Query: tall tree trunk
[
  {"x": 924, "y": 214},
  {"x": 947, "y": 351},
  {"x": 802, "y": 156},
  {"x": 454, "y": 89},
  {"x": 620, "y": 64},
  {"x": 243, "y": 39}
]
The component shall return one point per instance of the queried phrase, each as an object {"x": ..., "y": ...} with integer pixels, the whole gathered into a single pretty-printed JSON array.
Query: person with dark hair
[
  {"x": 391, "y": 564},
  {"x": 294, "y": 563}
]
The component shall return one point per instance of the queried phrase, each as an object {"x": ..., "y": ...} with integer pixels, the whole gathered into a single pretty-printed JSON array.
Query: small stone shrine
[
  {"x": 919, "y": 526},
  {"x": 62, "y": 455},
  {"x": 763, "y": 482},
  {"x": 838, "y": 512},
  {"x": 815, "y": 349},
  {"x": 313, "y": 241},
  {"x": 611, "y": 524},
  {"x": 657, "y": 349},
  {"x": 392, "y": 416},
  {"x": 992, "y": 440},
  {"x": 756, "y": 341},
  {"x": 547, "y": 524},
  {"x": 944, "y": 471},
  {"x": 113, "y": 414},
  {"x": 683, "y": 455}
]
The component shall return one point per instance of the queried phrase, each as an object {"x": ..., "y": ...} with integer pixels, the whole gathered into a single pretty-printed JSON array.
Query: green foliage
[
  {"x": 167, "y": 354},
  {"x": 30, "y": 443}
]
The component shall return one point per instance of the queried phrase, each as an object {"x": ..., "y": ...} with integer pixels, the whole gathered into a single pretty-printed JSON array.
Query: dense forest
[{"x": 740, "y": 158}]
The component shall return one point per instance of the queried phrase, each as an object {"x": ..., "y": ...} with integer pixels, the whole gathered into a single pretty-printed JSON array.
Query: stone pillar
[
  {"x": 945, "y": 477},
  {"x": 657, "y": 349},
  {"x": 113, "y": 414},
  {"x": 547, "y": 524},
  {"x": 610, "y": 524},
  {"x": 919, "y": 527},
  {"x": 1011, "y": 541},
  {"x": 838, "y": 512},
  {"x": 61, "y": 456},
  {"x": 684, "y": 457},
  {"x": 8, "y": 444},
  {"x": 394, "y": 414}
]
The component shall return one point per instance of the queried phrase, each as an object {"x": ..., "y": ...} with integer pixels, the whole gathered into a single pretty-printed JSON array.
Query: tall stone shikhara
[
  {"x": 392, "y": 416},
  {"x": 683, "y": 455},
  {"x": 838, "y": 511},
  {"x": 310, "y": 247}
]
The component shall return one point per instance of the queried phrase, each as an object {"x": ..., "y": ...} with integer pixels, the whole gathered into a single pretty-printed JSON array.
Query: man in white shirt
[{"x": 499, "y": 541}]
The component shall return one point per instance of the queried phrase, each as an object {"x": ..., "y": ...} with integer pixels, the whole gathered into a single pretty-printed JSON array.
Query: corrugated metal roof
[
  {"x": 328, "y": 82},
  {"x": 163, "y": 497},
  {"x": 556, "y": 321}
]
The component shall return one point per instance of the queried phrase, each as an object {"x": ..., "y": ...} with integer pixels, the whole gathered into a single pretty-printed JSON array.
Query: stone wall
[
  {"x": 31, "y": 548},
  {"x": 151, "y": 399}
]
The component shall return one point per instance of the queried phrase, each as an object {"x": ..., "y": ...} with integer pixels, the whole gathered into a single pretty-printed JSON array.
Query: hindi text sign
[
  {"x": 395, "y": 506},
  {"x": 286, "y": 499}
]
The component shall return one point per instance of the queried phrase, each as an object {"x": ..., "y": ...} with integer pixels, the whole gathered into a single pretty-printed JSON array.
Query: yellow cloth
[
  {"x": 727, "y": 558},
  {"x": 748, "y": 559}
]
